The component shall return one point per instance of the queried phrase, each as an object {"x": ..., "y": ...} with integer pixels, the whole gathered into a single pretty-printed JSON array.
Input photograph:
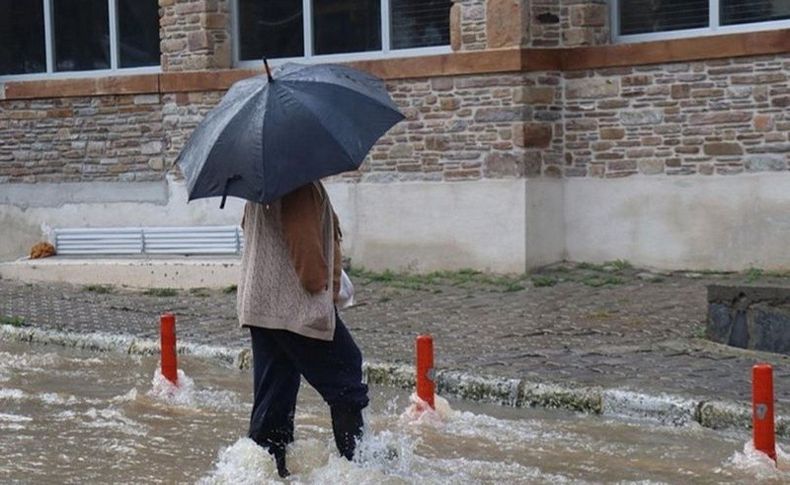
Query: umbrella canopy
[{"x": 268, "y": 136}]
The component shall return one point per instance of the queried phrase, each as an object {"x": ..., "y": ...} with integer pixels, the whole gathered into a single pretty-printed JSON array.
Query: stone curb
[{"x": 664, "y": 409}]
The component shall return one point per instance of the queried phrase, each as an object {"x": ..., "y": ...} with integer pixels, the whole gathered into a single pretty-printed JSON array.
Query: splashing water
[
  {"x": 185, "y": 394},
  {"x": 313, "y": 461},
  {"x": 420, "y": 412},
  {"x": 759, "y": 465},
  {"x": 74, "y": 417},
  {"x": 182, "y": 393}
]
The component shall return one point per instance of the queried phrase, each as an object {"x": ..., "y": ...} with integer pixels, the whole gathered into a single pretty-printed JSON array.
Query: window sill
[
  {"x": 352, "y": 57},
  {"x": 703, "y": 32},
  {"x": 66, "y": 75},
  {"x": 512, "y": 60}
]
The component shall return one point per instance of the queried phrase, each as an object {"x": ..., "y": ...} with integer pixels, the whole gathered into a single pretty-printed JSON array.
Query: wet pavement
[{"x": 610, "y": 326}]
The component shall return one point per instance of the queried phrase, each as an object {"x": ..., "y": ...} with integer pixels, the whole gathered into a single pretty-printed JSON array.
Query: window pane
[
  {"x": 645, "y": 16},
  {"x": 138, "y": 32},
  {"x": 746, "y": 11},
  {"x": 346, "y": 26},
  {"x": 420, "y": 23},
  {"x": 272, "y": 28},
  {"x": 82, "y": 35},
  {"x": 22, "y": 37}
]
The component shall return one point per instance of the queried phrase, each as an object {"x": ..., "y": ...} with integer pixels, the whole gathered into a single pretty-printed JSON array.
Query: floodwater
[{"x": 74, "y": 417}]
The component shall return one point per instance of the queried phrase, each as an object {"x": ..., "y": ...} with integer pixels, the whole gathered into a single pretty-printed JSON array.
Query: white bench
[{"x": 149, "y": 240}]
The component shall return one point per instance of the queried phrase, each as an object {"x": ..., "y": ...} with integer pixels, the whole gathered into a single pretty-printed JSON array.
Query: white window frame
[
  {"x": 49, "y": 49},
  {"x": 714, "y": 27},
  {"x": 309, "y": 58}
]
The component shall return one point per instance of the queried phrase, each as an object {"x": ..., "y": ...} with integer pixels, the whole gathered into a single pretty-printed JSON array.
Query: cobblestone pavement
[{"x": 572, "y": 324}]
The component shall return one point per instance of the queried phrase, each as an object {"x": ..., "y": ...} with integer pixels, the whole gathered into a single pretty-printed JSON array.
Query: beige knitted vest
[{"x": 270, "y": 294}]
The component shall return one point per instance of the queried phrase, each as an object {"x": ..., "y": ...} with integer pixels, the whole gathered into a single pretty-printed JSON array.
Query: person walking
[{"x": 290, "y": 279}]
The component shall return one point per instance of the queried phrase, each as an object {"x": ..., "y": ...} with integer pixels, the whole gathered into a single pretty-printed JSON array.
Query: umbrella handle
[
  {"x": 225, "y": 190},
  {"x": 268, "y": 72}
]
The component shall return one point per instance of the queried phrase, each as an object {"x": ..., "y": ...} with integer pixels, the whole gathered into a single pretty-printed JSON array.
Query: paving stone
[{"x": 639, "y": 335}]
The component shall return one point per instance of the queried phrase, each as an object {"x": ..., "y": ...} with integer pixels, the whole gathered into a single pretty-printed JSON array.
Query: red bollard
[
  {"x": 426, "y": 387},
  {"x": 167, "y": 329},
  {"x": 763, "y": 409}
]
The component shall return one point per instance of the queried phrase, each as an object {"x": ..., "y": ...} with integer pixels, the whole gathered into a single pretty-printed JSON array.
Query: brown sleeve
[{"x": 301, "y": 222}]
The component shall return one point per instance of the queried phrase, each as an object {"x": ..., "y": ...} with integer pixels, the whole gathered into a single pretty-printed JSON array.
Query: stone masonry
[
  {"x": 115, "y": 138},
  {"x": 568, "y": 23},
  {"x": 750, "y": 316},
  {"x": 470, "y": 127},
  {"x": 468, "y": 25},
  {"x": 195, "y": 34},
  {"x": 719, "y": 117},
  {"x": 480, "y": 24}
]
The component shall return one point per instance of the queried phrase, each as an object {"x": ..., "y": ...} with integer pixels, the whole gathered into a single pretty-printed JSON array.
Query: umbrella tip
[{"x": 268, "y": 72}]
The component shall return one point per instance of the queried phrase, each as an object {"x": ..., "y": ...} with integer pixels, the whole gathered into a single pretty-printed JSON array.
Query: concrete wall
[
  {"x": 409, "y": 226},
  {"x": 28, "y": 212},
  {"x": 427, "y": 226},
  {"x": 717, "y": 222}
]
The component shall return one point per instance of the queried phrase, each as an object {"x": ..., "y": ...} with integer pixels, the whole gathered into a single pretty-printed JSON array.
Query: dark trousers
[{"x": 280, "y": 358}]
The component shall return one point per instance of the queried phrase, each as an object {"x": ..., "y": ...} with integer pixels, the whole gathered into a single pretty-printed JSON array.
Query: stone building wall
[
  {"x": 719, "y": 117},
  {"x": 470, "y": 127},
  {"x": 456, "y": 128},
  {"x": 181, "y": 113},
  {"x": 468, "y": 25},
  {"x": 108, "y": 138},
  {"x": 195, "y": 34},
  {"x": 568, "y": 23}
]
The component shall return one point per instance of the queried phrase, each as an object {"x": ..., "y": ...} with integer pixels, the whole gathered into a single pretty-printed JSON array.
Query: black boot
[
  {"x": 278, "y": 452},
  {"x": 347, "y": 427}
]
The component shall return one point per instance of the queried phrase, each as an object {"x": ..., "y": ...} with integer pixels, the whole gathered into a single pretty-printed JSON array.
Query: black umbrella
[{"x": 269, "y": 136}]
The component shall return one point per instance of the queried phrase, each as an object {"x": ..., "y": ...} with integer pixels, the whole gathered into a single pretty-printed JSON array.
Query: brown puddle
[{"x": 76, "y": 417}]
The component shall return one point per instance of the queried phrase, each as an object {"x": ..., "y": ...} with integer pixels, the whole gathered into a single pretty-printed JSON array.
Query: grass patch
[
  {"x": 754, "y": 274},
  {"x": 13, "y": 321},
  {"x": 777, "y": 274},
  {"x": 598, "y": 281},
  {"x": 230, "y": 289},
  {"x": 600, "y": 315},
  {"x": 542, "y": 281},
  {"x": 590, "y": 266},
  {"x": 710, "y": 272},
  {"x": 620, "y": 264},
  {"x": 200, "y": 292},
  {"x": 699, "y": 332},
  {"x": 557, "y": 269},
  {"x": 429, "y": 282},
  {"x": 161, "y": 292},
  {"x": 98, "y": 289}
]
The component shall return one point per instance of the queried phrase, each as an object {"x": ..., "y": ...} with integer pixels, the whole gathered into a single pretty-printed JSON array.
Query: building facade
[{"x": 655, "y": 131}]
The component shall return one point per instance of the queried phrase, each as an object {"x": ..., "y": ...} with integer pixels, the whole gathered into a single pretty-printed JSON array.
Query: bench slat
[{"x": 149, "y": 240}]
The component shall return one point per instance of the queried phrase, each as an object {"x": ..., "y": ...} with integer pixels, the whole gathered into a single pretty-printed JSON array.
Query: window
[
  {"x": 22, "y": 37},
  {"x": 346, "y": 26},
  {"x": 356, "y": 28},
  {"x": 138, "y": 33},
  {"x": 653, "y": 19},
  {"x": 419, "y": 23},
  {"x": 747, "y": 11},
  {"x": 54, "y": 36},
  {"x": 82, "y": 35},
  {"x": 273, "y": 28}
]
